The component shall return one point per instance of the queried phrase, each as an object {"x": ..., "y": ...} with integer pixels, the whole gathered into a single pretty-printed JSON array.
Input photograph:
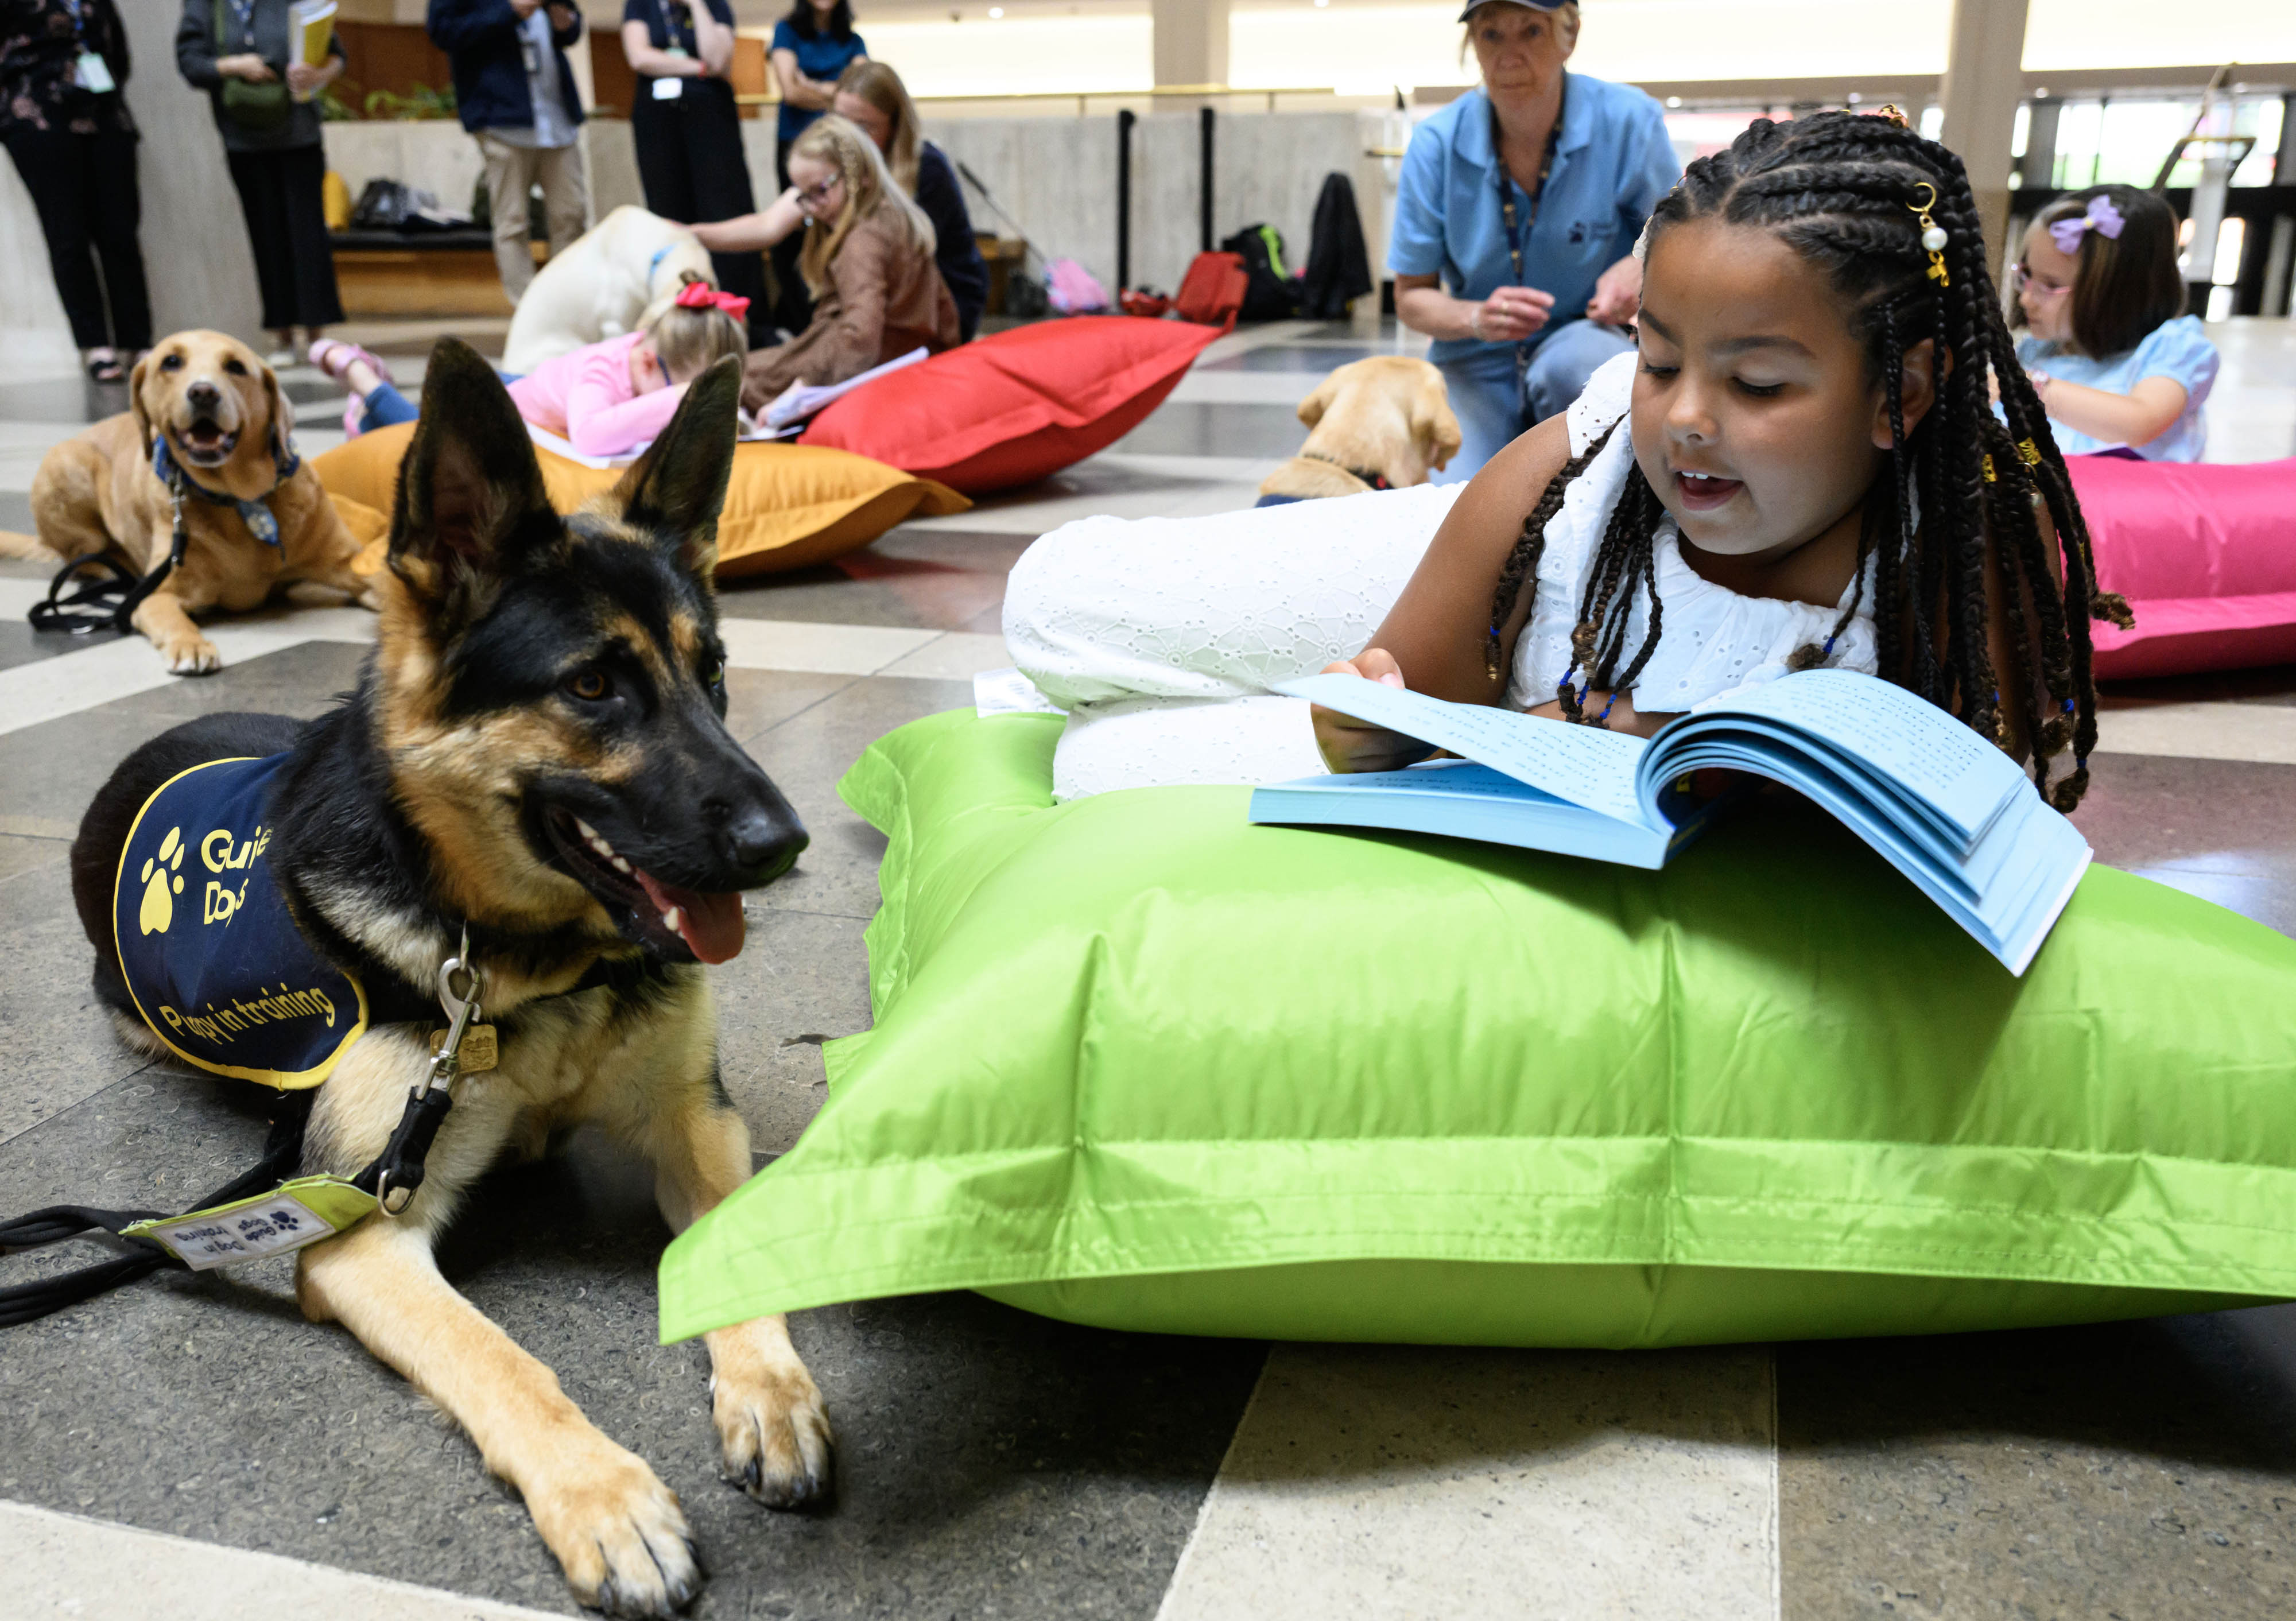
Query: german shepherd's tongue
[{"x": 710, "y": 925}]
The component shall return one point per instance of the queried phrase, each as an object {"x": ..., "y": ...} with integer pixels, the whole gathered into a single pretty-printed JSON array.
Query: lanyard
[
  {"x": 1518, "y": 231},
  {"x": 684, "y": 40},
  {"x": 244, "y": 10}
]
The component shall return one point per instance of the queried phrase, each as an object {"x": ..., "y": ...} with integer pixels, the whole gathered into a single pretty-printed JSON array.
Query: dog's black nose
[
  {"x": 760, "y": 841},
  {"x": 203, "y": 395}
]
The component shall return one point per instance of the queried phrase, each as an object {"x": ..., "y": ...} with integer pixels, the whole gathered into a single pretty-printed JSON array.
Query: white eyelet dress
[{"x": 1159, "y": 636}]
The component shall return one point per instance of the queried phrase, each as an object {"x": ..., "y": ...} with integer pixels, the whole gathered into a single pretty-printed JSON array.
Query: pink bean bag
[{"x": 2206, "y": 555}]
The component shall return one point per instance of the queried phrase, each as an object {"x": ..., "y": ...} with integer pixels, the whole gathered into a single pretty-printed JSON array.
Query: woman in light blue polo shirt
[{"x": 1523, "y": 199}]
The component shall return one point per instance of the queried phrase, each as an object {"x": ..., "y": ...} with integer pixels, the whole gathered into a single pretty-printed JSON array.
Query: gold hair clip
[
  {"x": 1892, "y": 112},
  {"x": 2030, "y": 451},
  {"x": 1933, "y": 235},
  {"x": 1990, "y": 476}
]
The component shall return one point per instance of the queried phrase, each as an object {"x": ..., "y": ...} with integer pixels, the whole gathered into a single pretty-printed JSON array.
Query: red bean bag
[
  {"x": 1018, "y": 405},
  {"x": 2206, "y": 555}
]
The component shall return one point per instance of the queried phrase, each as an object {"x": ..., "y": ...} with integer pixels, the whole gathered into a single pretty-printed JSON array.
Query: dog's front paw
[
  {"x": 773, "y": 1434},
  {"x": 191, "y": 655},
  {"x": 619, "y": 1534}
]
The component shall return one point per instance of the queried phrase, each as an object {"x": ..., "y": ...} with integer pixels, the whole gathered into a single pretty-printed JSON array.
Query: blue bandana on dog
[{"x": 213, "y": 958}]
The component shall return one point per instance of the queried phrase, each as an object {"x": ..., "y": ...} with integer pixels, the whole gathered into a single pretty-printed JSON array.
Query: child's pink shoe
[{"x": 334, "y": 357}]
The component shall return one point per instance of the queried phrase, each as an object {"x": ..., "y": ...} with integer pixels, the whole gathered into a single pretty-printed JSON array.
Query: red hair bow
[{"x": 701, "y": 295}]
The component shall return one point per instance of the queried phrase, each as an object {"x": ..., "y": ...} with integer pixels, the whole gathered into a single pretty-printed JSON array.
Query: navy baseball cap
[{"x": 1529, "y": 5}]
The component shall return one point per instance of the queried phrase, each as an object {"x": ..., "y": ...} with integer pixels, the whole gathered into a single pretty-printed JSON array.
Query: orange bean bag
[{"x": 787, "y": 505}]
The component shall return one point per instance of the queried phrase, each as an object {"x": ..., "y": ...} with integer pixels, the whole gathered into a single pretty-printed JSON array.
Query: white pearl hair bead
[{"x": 1934, "y": 239}]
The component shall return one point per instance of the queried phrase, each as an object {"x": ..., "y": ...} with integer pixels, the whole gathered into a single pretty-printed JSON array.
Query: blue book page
[
  {"x": 1583, "y": 765},
  {"x": 1891, "y": 733},
  {"x": 1460, "y": 799}
]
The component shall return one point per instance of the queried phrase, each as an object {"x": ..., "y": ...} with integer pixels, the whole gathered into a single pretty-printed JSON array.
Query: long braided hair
[{"x": 1846, "y": 191}]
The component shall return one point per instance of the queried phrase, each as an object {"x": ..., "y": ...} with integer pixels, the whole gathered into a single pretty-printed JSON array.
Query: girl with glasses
[{"x": 2121, "y": 369}]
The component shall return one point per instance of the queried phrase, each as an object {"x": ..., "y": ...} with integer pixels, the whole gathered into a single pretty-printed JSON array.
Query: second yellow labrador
[{"x": 1382, "y": 423}]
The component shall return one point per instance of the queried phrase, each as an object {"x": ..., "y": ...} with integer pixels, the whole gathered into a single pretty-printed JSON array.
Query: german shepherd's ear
[
  {"x": 470, "y": 508},
  {"x": 1312, "y": 408},
  {"x": 677, "y": 487}
]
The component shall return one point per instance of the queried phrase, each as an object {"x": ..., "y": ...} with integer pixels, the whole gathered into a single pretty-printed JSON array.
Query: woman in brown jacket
[{"x": 868, "y": 261}]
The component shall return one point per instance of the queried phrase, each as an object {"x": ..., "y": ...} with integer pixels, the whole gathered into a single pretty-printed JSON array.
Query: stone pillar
[
  {"x": 2039, "y": 164},
  {"x": 1191, "y": 41},
  {"x": 1984, "y": 80},
  {"x": 195, "y": 250}
]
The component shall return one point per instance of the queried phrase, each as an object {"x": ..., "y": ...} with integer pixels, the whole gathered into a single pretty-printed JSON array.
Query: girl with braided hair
[{"x": 1800, "y": 467}]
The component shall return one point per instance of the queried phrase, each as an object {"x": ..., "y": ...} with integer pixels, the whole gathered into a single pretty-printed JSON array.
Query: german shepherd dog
[{"x": 536, "y": 749}]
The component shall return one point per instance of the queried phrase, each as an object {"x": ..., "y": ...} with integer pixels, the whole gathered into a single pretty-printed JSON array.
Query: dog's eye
[
  {"x": 234, "y": 368},
  {"x": 174, "y": 363},
  {"x": 715, "y": 676},
  {"x": 588, "y": 685}
]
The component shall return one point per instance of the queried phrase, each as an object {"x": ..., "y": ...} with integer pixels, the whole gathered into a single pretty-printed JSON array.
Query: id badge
[
  {"x": 669, "y": 89},
  {"x": 91, "y": 74}
]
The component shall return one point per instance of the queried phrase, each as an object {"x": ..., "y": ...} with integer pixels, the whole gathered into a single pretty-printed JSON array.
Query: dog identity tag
[
  {"x": 477, "y": 1054},
  {"x": 92, "y": 74},
  {"x": 296, "y": 1213}
]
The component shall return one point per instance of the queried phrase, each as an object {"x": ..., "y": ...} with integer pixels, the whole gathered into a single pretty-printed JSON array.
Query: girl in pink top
[{"x": 606, "y": 399}]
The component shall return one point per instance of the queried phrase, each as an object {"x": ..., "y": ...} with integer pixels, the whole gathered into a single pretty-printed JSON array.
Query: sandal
[
  {"x": 104, "y": 366},
  {"x": 334, "y": 357}
]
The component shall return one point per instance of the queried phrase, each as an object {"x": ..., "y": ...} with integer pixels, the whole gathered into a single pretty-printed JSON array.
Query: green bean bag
[{"x": 1141, "y": 1064}]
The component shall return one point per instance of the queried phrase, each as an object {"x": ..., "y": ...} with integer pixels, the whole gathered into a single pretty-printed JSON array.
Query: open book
[
  {"x": 1942, "y": 805},
  {"x": 801, "y": 401}
]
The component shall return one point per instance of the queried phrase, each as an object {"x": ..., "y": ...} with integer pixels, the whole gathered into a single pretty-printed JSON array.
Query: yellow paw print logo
[{"x": 160, "y": 874}]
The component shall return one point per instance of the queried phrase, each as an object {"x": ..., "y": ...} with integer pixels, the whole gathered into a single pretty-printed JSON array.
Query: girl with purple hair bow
[{"x": 2119, "y": 368}]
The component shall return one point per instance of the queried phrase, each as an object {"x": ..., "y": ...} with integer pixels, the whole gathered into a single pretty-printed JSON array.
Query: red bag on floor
[{"x": 1212, "y": 291}]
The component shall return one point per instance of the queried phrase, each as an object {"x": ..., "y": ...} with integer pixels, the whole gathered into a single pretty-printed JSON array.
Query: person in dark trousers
[
  {"x": 871, "y": 96},
  {"x": 238, "y": 52},
  {"x": 812, "y": 47},
  {"x": 517, "y": 97},
  {"x": 66, "y": 124},
  {"x": 688, "y": 132}
]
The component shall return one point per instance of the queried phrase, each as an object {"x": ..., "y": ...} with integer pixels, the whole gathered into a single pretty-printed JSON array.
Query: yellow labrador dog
[
  {"x": 257, "y": 521},
  {"x": 1382, "y": 423}
]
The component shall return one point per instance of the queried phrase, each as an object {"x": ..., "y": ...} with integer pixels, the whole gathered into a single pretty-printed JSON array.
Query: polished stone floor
[{"x": 191, "y": 1450}]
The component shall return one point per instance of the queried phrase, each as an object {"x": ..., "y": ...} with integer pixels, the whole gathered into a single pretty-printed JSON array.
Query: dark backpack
[
  {"x": 1338, "y": 267},
  {"x": 1269, "y": 293}
]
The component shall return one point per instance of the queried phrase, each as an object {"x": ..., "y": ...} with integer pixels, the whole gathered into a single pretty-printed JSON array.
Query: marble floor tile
[
  {"x": 62, "y": 1565},
  {"x": 1402, "y": 1482},
  {"x": 2136, "y": 1469}
]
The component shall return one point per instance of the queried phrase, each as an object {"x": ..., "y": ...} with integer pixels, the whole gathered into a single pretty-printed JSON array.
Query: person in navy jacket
[{"x": 517, "y": 96}]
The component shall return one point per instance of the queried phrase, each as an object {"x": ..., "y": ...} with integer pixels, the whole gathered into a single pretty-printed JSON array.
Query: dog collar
[
  {"x": 1375, "y": 480},
  {"x": 654, "y": 262},
  {"x": 254, "y": 514}
]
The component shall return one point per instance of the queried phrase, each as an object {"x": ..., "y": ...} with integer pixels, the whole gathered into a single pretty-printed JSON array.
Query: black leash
[
  {"x": 109, "y": 603},
  {"x": 282, "y": 1151},
  {"x": 391, "y": 1177}
]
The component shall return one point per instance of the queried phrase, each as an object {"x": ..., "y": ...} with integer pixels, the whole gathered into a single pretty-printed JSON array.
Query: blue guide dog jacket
[{"x": 212, "y": 955}]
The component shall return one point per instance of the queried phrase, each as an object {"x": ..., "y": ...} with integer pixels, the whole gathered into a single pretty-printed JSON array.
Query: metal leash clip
[
  {"x": 462, "y": 1012},
  {"x": 399, "y": 1170}
]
